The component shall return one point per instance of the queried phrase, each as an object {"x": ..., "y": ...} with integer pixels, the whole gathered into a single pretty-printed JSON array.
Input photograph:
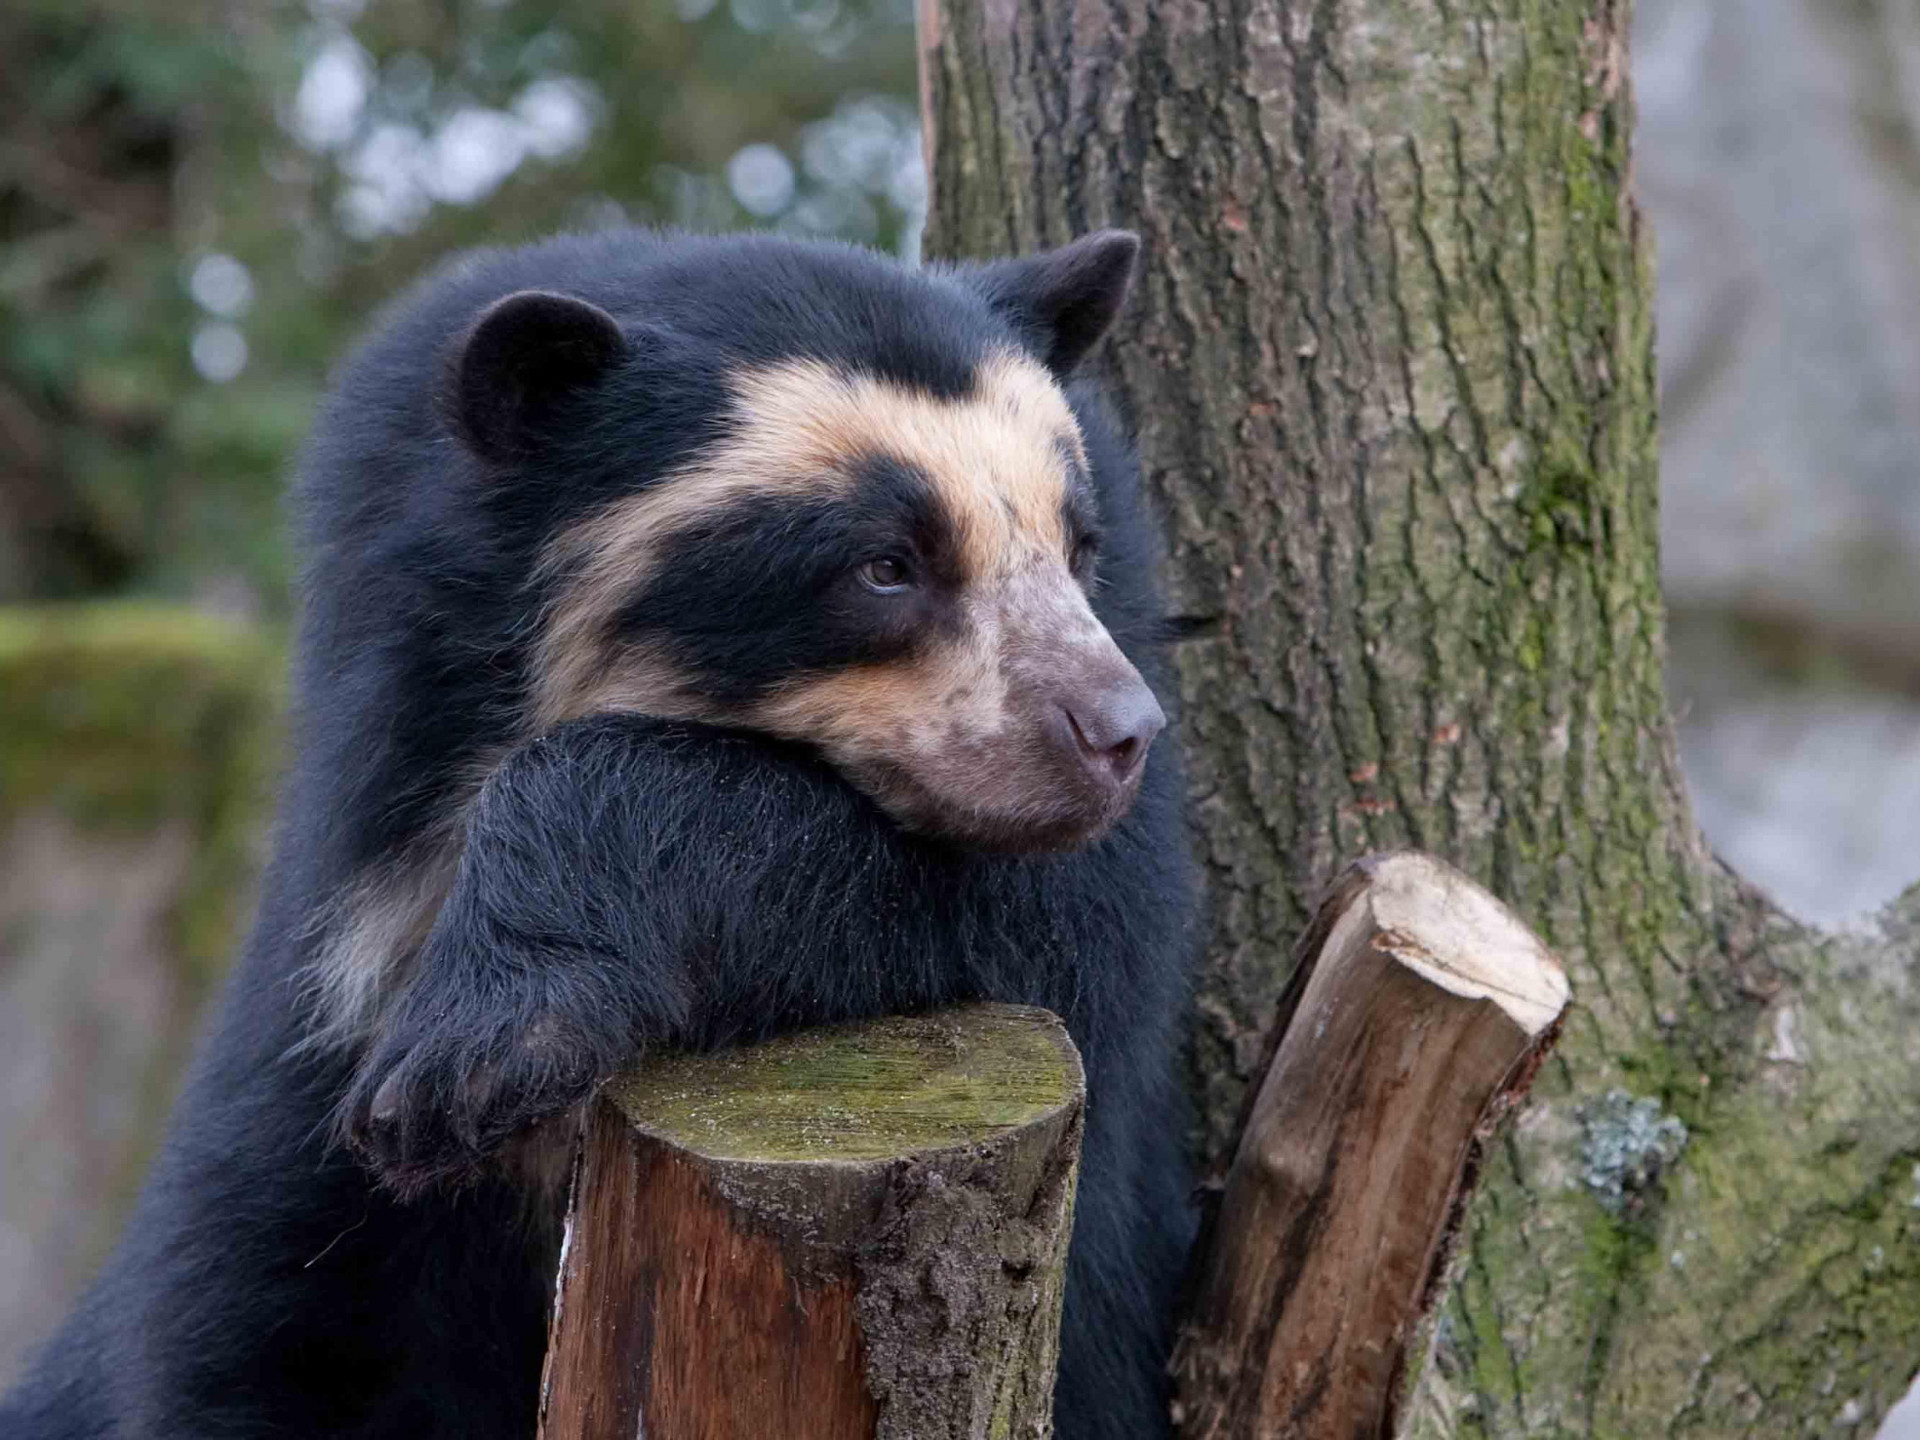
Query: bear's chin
[{"x": 1043, "y": 824}]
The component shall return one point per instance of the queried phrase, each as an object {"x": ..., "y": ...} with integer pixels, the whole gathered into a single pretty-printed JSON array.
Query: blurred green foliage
[{"x": 201, "y": 204}]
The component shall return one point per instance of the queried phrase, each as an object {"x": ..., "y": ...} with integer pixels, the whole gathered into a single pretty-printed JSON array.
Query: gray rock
[
  {"x": 135, "y": 755},
  {"x": 93, "y": 1018}
]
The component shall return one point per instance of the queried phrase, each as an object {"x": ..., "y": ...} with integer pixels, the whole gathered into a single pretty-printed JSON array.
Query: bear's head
[{"x": 819, "y": 496}]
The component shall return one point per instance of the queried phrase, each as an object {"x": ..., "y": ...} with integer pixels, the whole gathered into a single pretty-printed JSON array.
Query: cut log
[
  {"x": 856, "y": 1233},
  {"x": 1417, "y": 1013}
]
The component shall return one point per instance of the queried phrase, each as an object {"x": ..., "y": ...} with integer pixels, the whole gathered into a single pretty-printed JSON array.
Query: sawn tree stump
[{"x": 856, "y": 1233}]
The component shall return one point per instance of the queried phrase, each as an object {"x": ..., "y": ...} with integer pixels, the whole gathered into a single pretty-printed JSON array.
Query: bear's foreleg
[{"x": 627, "y": 882}]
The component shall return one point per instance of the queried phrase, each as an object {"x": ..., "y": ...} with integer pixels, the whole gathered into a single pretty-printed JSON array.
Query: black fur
[
  {"x": 624, "y": 882},
  {"x": 520, "y": 362},
  {"x": 1064, "y": 301},
  {"x": 745, "y": 638}
]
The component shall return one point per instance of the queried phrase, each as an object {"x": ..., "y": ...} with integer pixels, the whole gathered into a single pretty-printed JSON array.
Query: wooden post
[
  {"x": 1417, "y": 1013},
  {"x": 856, "y": 1233}
]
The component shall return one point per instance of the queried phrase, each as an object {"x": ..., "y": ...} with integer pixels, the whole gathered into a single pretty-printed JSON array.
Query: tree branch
[{"x": 1416, "y": 1016}]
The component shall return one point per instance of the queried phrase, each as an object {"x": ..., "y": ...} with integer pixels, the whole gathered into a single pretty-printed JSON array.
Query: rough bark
[
  {"x": 1390, "y": 361},
  {"x": 1418, "y": 1012},
  {"x": 856, "y": 1233}
]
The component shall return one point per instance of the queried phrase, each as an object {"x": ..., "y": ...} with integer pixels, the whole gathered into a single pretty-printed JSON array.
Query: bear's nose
[{"x": 1113, "y": 728}]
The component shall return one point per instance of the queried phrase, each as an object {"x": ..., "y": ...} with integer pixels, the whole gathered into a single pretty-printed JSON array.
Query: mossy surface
[
  {"x": 124, "y": 717},
  {"x": 864, "y": 1091}
]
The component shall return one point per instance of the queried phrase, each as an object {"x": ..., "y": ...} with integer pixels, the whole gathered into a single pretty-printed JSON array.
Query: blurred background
[{"x": 202, "y": 203}]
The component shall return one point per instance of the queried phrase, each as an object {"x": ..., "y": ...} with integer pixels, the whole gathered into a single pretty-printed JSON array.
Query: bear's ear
[
  {"x": 1063, "y": 300},
  {"x": 524, "y": 356}
]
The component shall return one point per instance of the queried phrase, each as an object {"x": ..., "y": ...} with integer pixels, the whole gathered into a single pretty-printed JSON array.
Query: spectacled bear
[{"x": 702, "y": 638}]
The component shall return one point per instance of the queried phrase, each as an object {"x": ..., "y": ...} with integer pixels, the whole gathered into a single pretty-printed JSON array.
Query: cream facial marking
[{"x": 995, "y": 457}]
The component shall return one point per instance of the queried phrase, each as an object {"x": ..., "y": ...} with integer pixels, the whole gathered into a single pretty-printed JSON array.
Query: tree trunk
[
  {"x": 1390, "y": 360},
  {"x": 853, "y": 1233}
]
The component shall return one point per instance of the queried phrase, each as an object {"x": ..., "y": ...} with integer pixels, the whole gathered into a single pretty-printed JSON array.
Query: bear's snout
[{"x": 1108, "y": 729}]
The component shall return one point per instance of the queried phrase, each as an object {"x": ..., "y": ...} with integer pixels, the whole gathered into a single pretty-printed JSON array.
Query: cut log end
[
  {"x": 868, "y": 1091},
  {"x": 853, "y": 1232},
  {"x": 1448, "y": 930},
  {"x": 1418, "y": 1012}
]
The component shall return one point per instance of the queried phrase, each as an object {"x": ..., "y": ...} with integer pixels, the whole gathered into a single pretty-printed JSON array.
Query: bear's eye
[{"x": 888, "y": 575}]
